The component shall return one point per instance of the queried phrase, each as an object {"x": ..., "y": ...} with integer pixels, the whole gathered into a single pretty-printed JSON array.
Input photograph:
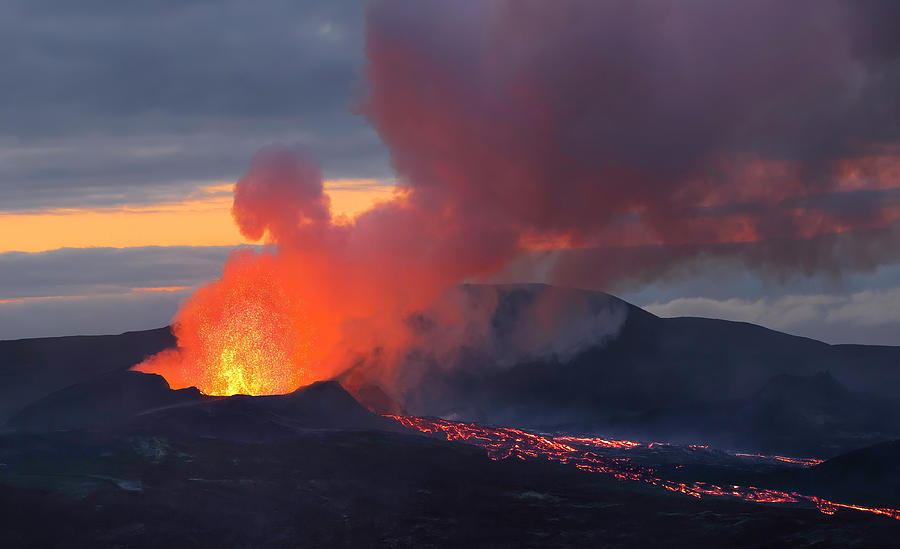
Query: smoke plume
[
  {"x": 579, "y": 143},
  {"x": 692, "y": 127}
]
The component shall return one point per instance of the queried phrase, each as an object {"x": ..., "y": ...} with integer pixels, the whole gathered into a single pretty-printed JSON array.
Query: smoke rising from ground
[{"x": 584, "y": 143}]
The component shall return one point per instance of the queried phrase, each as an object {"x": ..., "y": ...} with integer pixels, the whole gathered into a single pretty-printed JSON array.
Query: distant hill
[
  {"x": 321, "y": 405},
  {"x": 556, "y": 358},
  {"x": 795, "y": 415},
  {"x": 695, "y": 368},
  {"x": 33, "y": 368},
  {"x": 135, "y": 402},
  {"x": 868, "y": 476},
  {"x": 107, "y": 400}
]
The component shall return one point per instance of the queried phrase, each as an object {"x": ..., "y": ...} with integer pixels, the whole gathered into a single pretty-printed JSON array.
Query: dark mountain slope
[
  {"x": 868, "y": 476},
  {"x": 556, "y": 358},
  {"x": 322, "y": 405},
  {"x": 792, "y": 415},
  {"x": 33, "y": 368},
  {"x": 135, "y": 402},
  {"x": 657, "y": 366},
  {"x": 105, "y": 401}
]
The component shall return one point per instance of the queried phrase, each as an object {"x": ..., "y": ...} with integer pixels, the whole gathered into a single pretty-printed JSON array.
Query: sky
[{"x": 125, "y": 126}]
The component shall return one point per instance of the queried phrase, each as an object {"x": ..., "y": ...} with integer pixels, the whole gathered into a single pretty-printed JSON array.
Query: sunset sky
[{"x": 126, "y": 126}]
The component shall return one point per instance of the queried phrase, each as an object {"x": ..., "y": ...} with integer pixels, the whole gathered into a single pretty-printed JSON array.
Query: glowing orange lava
[
  {"x": 808, "y": 462},
  {"x": 506, "y": 442},
  {"x": 244, "y": 347},
  {"x": 241, "y": 335}
]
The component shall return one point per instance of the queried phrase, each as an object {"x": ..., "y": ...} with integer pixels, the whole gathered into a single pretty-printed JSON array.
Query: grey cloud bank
[
  {"x": 91, "y": 291},
  {"x": 95, "y": 315},
  {"x": 92, "y": 271},
  {"x": 130, "y": 102}
]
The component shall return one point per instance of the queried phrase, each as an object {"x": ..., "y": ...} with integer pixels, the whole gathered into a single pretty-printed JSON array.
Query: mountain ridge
[{"x": 644, "y": 365}]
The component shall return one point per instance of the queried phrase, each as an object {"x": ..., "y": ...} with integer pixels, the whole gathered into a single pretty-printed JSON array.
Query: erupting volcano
[
  {"x": 458, "y": 314},
  {"x": 243, "y": 334},
  {"x": 531, "y": 143}
]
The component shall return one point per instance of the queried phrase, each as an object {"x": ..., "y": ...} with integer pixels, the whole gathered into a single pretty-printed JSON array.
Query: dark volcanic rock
[
  {"x": 669, "y": 379},
  {"x": 868, "y": 476},
  {"x": 365, "y": 489},
  {"x": 150, "y": 467},
  {"x": 819, "y": 408},
  {"x": 793, "y": 415},
  {"x": 33, "y": 368},
  {"x": 607, "y": 367},
  {"x": 322, "y": 405},
  {"x": 105, "y": 401},
  {"x": 137, "y": 402}
]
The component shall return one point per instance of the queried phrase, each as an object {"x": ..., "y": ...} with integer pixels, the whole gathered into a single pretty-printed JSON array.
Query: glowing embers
[
  {"x": 505, "y": 442},
  {"x": 243, "y": 345},
  {"x": 243, "y": 334}
]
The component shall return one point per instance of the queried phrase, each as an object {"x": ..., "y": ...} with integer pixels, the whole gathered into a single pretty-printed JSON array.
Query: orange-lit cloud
[
  {"x": 161, "y": 289},
  {"x": 201, "y": 219}
]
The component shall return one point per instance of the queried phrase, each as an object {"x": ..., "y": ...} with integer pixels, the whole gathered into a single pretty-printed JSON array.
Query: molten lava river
[{"x": 583, "y": 453}]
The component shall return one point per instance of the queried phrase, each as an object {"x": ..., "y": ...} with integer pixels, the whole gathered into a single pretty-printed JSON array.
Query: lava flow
[
  {"x": 507, "y": 442},
  {"x": 806, "y": 462}
]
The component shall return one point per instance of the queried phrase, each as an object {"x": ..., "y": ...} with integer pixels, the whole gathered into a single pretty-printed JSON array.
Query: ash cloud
[{"x": 692, "y": 126}]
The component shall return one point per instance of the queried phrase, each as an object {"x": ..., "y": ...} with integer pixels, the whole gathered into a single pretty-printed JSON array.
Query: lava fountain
[
  {"x": 325, "y": 294},
  {"x": 243, "y": 334}
]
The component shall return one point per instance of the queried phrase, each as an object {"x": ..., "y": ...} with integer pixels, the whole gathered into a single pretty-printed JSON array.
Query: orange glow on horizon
[
  {"x": 201, "y": 219},
  {"x": 160, "y": 289}
]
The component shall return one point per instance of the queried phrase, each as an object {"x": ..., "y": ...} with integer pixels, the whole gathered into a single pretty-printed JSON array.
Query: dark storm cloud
[{"x": 121, "y": 98}]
